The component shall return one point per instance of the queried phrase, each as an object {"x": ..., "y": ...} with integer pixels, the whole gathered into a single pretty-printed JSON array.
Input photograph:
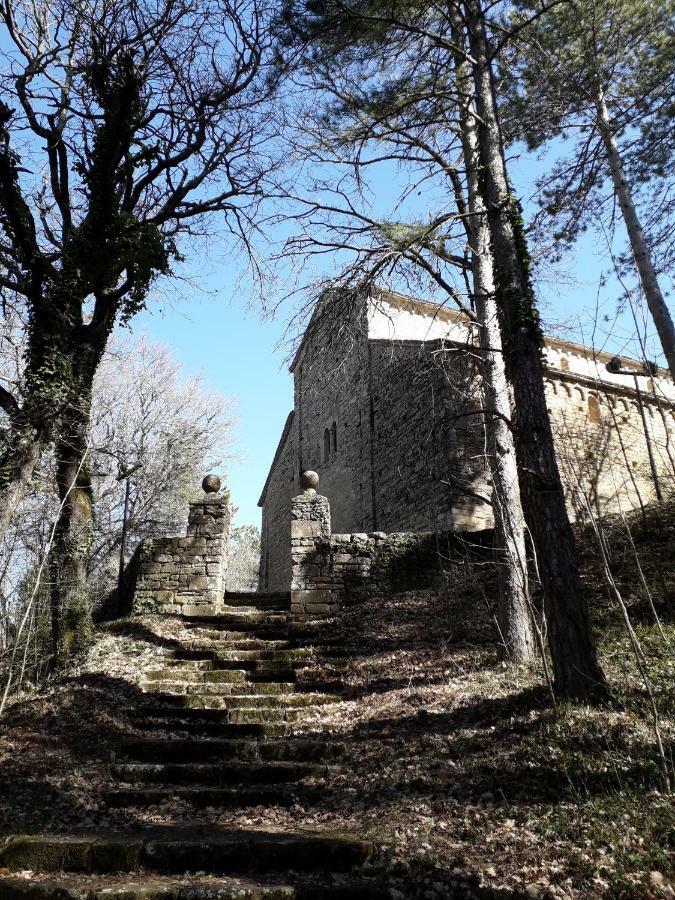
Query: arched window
[
  {"x": 594, "y": 412},
  {"x": 326, "y": 445},
  {"x": 333, "y": 437}
]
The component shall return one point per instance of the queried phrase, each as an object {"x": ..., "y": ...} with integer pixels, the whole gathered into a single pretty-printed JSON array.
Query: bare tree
[
  {"x": 244, "y": 558},
  {"x": 147, "y": 416},
  {"x": 125, "y": 125}
]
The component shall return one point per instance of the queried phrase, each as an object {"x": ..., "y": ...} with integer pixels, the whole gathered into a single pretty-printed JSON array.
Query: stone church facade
[{"x": 386, "y": 395}]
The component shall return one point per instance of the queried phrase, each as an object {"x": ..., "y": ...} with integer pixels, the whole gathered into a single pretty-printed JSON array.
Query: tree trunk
[
  {"x": 17, "y": 473},
  {"x": 577, "y": 673},
  {"x": 641, "y": 253},
  {"x": 70, "y": 604},
  {"x": 513, "y": 608}
]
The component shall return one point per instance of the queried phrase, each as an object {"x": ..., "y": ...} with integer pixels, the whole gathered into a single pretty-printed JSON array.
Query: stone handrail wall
[{"x": 182, "y": 574}]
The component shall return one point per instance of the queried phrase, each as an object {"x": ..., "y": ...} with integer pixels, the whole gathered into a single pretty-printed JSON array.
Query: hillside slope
[{"x": 453, "y": 766}]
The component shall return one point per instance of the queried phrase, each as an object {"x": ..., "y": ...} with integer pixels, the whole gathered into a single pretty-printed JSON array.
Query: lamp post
[{"x": 648, "y": 369}]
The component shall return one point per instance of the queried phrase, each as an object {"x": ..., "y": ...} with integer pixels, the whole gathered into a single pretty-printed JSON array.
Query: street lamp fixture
[{"x": 649, "y": 369}]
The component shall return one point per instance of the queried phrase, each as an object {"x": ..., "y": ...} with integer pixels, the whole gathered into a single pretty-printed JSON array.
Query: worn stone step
[
  {"x": 191, "y": 665},
  {"x": 220, "y": 688},
  {"x": 248, "y": 715},
  {"x": 252, "y": 660},
  {"x": 173, "y": 850},
  {"x": 195, "y": 676},
  {"x": 216, "y": 774},
  {"x": 299, "y": 653},
  {"x": 233, "y": 634},
  {"x": 262, "y": 667},
  {"x": 224, "y": 641},
  {"x": 281, "y": 601},
  {"x": 238, "y": 797},
  {"x": 234, "y": 616},
  {"x": 179, "y": 722},
  {"x": 166, "y": 750},
  {"x": 207, "y": 697},
  {"x": 163, "y": 887},
  {"x": 270, "y": 694},
  {"x": 125, "y": 887}
]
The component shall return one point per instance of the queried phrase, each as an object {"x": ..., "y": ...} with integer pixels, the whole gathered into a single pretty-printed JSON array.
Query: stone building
[{"x": 386, "y": 404}]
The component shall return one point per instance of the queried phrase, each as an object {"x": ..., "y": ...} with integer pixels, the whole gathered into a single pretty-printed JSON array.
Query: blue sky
[{"x": 213, "y": 328}]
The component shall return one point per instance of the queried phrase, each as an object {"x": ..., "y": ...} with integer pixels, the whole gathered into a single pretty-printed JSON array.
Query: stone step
[
  {"x": 195, "y": 676},
  {"x": 163, "y": 887},
  {"x": 216, "y": 774},
  {"x": 289, "y": 749},
  {"x": 248, "y": 715},
  {"x": 239, "y": 797},
  {"x": 221, "y": 641},
  {"x": 252, "y": 667},
  {"x": 233, "y": 634},
  {"x": 220, "y": 655},
  {"x": 220, "y": 688},
  {"x": 198, "y": 722},
  {"x": 280, "y": 600},
  {"x": 244, "y": 627},
  {"x": 189, "y": 665},
  {"x": 233, "y": 616},
  {"x": 141, "y": 887},
  {"x": 211, "y": 695},
  {"x": 176, "y": 851}
]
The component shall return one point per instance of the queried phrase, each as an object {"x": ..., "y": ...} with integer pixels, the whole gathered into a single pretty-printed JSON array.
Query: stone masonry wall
[
  {"x": 283, "y": 484},
  {"x": 332, "y": 401},
  {"x": 371, "y": 565},
  {"x": 602, "y": 446},
  {"x": 334, "y": 569},
  {"x": 182, "y": 574},
  {"x": 429, "y": 470}
]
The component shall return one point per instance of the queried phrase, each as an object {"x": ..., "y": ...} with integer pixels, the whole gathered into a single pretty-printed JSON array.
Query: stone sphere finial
[
  {"x": 211, "y": 484},
  {"x": 309, "y": 480}
]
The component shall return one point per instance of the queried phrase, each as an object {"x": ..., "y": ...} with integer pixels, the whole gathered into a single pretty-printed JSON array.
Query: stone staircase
[{"x": 217, "y": 731}]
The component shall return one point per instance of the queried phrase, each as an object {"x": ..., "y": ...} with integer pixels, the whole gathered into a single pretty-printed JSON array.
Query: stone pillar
[
  {"x": 208, "y": 532},
  {"x": 313, "y": 594},
  {"x": 185, "y": 575}
]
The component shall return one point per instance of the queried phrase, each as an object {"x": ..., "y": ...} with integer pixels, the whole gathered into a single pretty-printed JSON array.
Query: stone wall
[
  {"x": 428, "y": 461},
  {"x": 331, "y": 397},
  {"x": 601, "y": 443},
  {"x": 282, "y": 485},
  {"x": 330, "y": 570},
  {"x": 333, "y": 410},
  {"x": 182, "y": 574}
]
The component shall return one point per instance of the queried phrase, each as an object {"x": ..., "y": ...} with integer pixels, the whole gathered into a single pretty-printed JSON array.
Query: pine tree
[{"x": 603, "y": 73}]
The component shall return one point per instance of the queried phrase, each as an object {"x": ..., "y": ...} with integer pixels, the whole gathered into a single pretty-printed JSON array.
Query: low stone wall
[
  {"x": 334, "y": 569},
  {"x": 368, "y": 565},
  {"x": 182, "y": 574}
]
